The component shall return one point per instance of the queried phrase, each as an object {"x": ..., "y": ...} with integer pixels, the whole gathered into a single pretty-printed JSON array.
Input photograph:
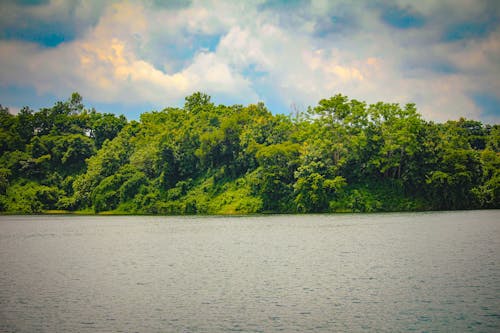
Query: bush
[{"x": 31, "y": 198}]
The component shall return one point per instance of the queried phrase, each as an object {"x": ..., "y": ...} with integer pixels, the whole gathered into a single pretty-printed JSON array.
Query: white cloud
[
  {"x": 103, "y": 66},
  {"x": 263, "y": 55}
]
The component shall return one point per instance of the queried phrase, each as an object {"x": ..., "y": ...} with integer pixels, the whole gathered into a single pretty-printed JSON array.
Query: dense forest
[{"x": 342, "y": 155}]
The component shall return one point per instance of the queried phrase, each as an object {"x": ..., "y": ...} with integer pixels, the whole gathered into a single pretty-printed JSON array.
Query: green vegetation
[{"x": 340, "y": 156}]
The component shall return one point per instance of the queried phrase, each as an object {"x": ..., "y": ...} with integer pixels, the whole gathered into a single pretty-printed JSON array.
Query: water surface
[{"x": 317, "y": 273}]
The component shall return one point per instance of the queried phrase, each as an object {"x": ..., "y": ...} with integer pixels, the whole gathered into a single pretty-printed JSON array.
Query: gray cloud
[{"x": 48, "y": 22}]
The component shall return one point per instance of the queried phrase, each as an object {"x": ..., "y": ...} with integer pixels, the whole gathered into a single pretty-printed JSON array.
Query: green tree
[
  {"x": 277, "y": 164},
  {"x": 105, "y": 126}
]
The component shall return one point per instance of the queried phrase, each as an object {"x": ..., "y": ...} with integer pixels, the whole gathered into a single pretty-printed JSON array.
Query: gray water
[{"x": 320, "y": 273}]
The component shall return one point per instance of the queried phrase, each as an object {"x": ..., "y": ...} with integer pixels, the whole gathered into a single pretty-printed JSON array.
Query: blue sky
[{"x": 130, "y": 57}]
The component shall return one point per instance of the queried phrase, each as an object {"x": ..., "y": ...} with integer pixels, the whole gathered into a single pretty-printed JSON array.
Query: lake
[{"x": 291, "y": 273}]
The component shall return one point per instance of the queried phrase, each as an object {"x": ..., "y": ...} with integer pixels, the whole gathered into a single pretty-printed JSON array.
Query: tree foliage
[{"x": 341, "y": 155}]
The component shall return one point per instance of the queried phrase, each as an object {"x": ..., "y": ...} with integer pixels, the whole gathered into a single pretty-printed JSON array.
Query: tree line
[{"x": 343, "y": 155}]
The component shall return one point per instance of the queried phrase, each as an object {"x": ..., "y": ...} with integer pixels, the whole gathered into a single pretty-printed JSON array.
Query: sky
[{"x": 131, "y": 57}]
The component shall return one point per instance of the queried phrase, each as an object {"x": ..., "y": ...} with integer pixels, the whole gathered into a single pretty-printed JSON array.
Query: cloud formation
[{"x": 443, "y": 55}]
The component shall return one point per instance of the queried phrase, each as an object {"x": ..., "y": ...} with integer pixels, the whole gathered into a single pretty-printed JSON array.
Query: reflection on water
[{"x": 319, "y": 273}]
